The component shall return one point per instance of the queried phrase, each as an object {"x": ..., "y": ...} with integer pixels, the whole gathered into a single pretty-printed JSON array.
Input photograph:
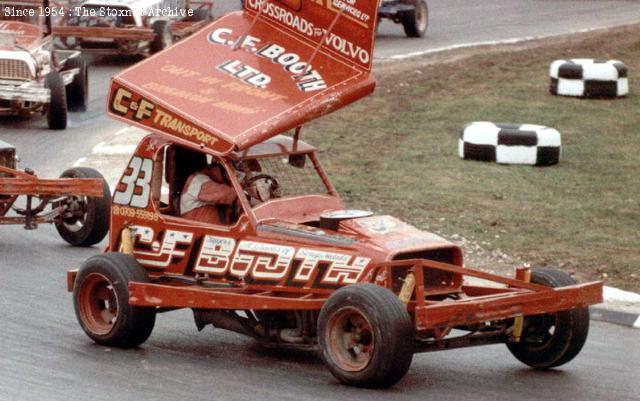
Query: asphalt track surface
[{"x": 45, "y": 355}]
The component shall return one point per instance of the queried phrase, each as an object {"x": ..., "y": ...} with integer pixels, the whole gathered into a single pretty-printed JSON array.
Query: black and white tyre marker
[
  {"x": 589, "y": 78},
  {"x": 510, "y": 143}
]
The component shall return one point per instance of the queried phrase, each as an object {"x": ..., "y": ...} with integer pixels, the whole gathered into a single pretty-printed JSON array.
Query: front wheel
[
  {"x": 201, "y": 14},
  {"x": 416, "y": 21},
  {"x": 552, "y": 339},
  {"x": 101, "y": 301},
  {"x": 366, "y": 336},
  {"x": 78, "y": 89},
  {"x": 163, "y": 36},
  {"x": 57, "y": 107},
  {"x": 85, "y": 219}
]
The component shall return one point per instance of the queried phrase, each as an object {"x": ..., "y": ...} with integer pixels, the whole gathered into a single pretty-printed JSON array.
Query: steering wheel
[{"x": 253, "y": 191}]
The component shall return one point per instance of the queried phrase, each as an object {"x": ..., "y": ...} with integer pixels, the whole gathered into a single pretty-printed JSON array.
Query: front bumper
[
  {"x": 28, "y": 92},
  {"x": 503, "y": 298},
  {"x": 496, "y": 307}
]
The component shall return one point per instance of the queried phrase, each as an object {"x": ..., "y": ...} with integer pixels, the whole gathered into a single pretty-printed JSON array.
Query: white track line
[
  {"x": 98, "y": 147},
  {"x": 79, "y": 161},
  {"x": 612, "y": 294},
  {"x": 122, "y": 131},
  {"x": 484, "y": 43},
  {"x": 113, "y": 150}
]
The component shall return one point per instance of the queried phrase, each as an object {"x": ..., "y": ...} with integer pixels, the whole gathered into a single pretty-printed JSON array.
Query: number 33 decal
[{"x": 137, "y": 188}]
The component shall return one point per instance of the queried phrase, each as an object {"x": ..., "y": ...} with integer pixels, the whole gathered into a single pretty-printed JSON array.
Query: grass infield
[{"x": 396, "y": 153}]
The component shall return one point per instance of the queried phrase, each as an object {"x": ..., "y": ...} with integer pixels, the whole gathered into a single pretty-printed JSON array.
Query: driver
[{"x": 207, "y": 196}]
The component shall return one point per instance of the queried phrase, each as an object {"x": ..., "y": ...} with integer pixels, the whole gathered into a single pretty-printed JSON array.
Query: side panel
[
  {"x": 235, "y": 255},
  {"x": 170, "y": 245}
]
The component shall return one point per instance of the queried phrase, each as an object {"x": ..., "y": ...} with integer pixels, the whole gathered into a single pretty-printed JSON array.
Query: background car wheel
[
  {"x": 163, "y": 36},
  {"x": 101, "y": 301},
  {"x": 85, "y": 221},
  {"x": 57, "y": 107},
  {"x": 552, "y": 339},
  {"x": 416, "y": 22},
  {"x": 78, "y": 89},
  {"x": 201, "y": 14},
  {"x": 366, "y": 336}
]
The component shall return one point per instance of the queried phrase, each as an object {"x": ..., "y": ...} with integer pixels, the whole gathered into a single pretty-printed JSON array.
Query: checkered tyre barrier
[
  {"x": 589, "y": 78},
  {"x": 510, "y": 143}
]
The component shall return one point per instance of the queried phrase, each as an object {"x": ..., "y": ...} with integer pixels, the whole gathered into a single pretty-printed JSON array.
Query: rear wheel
[
  {"x": 552, "y": 339},
  {"x": 416, "y": 22},
  {"x": 78, "y": 89},
  {"x": 366, "y": 336},
  {"x": 101, "y": 301},
  {"x": 163, "y": 37},
  {"x": 57, "y": 107},
  {"x": 85, "y": 220}
]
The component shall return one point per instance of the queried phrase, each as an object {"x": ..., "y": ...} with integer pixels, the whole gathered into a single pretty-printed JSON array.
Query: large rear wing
[
  {"x": 252, "y": 75},
  {"x": 346, "y": 28}
]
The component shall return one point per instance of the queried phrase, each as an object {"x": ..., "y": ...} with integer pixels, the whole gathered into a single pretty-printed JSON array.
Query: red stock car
[{"x": 289, "y": 266}]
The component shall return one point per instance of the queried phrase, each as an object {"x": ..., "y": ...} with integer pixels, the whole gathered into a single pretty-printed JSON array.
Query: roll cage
[{"x": 180, "y": 161}]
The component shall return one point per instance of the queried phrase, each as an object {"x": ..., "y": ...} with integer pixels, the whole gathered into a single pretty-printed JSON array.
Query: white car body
[{"x": 24, "y": 64}]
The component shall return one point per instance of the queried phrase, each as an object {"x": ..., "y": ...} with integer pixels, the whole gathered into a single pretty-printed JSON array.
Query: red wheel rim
[
  {"x": 350, "y": 339},
  {"x": 98, "y": 304}
]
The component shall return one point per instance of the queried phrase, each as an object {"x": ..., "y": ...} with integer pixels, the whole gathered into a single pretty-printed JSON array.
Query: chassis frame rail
[
  {"x": 464, "y": 306},
  {"x": 26, "y": 183},
  {"x": 16, "y": 183}
]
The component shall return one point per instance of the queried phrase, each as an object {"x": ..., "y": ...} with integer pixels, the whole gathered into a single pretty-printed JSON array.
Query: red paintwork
[
  {"x": 16, "y": 183},
  {"x": 274, "y": 257},
  {"x": 278, "y": 222},
  {"x": 26, "y": 35},
  {"x": 20, "y": 183},
  {"x": 226, "y": 113}
]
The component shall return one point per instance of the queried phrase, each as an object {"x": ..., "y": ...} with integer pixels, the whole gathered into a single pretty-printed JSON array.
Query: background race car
[
  {"x": 130, "y": 26},
  {"x": 33, "y": 76},
  {"x": 412, "y": 14}
]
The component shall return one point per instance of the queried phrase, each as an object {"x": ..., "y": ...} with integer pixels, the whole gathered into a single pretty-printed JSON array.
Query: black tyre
[
  {"x": 201, "y": 14},
  {"x": 163, "y": 36},
  {"x": 78, "y": 89},
  {"x": 552, "y": 339},
  {"x": 416, "y": 21},
  {"x": 101, "y": 301},
  {"x": 57, "y": 107},
  {"x": 366, "y": 336},
  {"x": 85, "y": 221}
]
